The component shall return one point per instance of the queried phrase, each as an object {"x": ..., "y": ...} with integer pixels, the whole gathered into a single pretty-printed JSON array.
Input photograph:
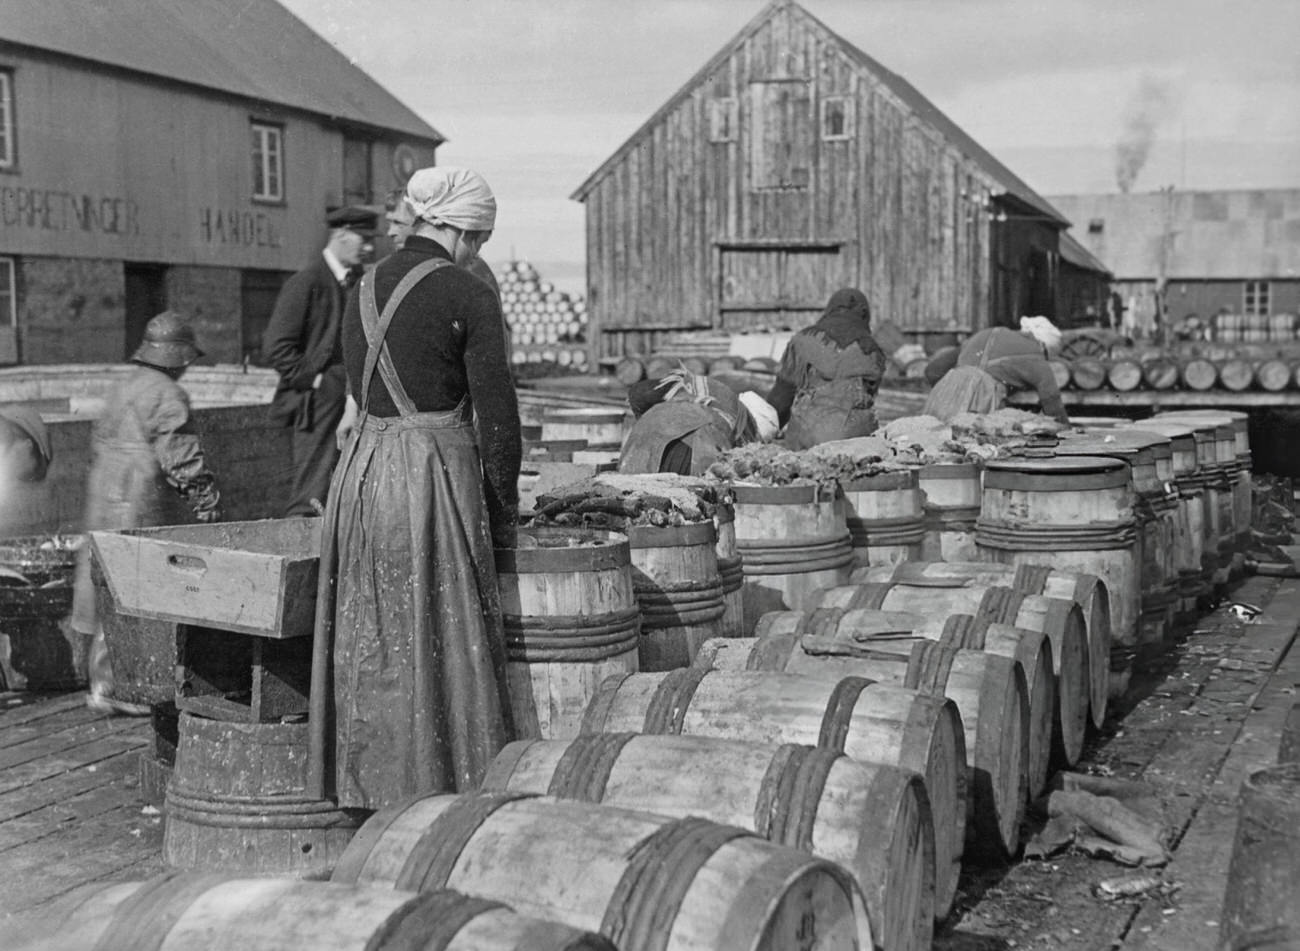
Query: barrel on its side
[
  {"x": 678, "y": 589},
  {"x": 990, "y": 694},
  {"x": 794, "y": 541},
  {"x": 871, "y": 818},
  {"x": 1055, "y": 729},
  {"x": 221, "y": 913},
  {"x": 571, "y": 619},
  {"x": 641, "y": 880},
  {"x": 871, "y": 722},
  {"x": 1075, "y": 513},
  {"x": 1259, "y": 906},
  {"x": 238, "y": 801},
  {"x": 884, "y": 514}
]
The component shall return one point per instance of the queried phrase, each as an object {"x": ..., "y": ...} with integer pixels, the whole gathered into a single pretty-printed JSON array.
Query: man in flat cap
[{"x": 302, "y": 343}]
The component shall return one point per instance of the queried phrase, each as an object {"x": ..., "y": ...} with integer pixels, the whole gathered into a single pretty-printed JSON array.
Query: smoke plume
[{"x": 1150, "y": 105}]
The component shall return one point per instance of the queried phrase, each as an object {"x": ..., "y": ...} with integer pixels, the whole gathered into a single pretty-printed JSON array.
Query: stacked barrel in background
[{"x": 548, "y": 326}]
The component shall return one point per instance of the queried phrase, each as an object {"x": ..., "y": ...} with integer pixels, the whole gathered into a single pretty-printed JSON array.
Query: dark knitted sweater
[{"x": 447, "y": 340}]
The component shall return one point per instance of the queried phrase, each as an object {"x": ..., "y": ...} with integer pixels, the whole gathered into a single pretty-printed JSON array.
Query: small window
[
  {"x": 1257, "y": 298},
  {"x": 837, "y": 118},
  {"x": 723, "y": 120},
  {"x": 268, "y": 162},
  {"x": 8, "y": 148},
  {"x": 8, "y": 295},
  {"x": 1096, "y": 226}
]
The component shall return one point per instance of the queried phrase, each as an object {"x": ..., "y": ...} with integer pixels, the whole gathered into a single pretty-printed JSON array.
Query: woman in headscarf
[
  {"x": 684, "y": 421},
  {"x": 408, "y": 608},
  {"x": 829, "y": 374},
  {"x": 977, "y": 376}
]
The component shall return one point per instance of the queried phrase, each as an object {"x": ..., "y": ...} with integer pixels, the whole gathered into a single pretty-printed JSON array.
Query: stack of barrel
[
  {"x": 1233, "y": 369},
  {"x": 547, "y": 325}
]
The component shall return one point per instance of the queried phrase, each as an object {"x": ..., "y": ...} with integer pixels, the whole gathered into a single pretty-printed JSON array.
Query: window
[
  {"x": 8, "y": 148},
  {"x": 8, "y": 295},
  {"x": 723, "y": 120},
  {"x": 780, "y": 149},
  {"x": 837, "y": 118},
  {"x": 1096, "y": 225},
  {"x": 1257, "y": 297},
  {"x": 268, "y": 162}
]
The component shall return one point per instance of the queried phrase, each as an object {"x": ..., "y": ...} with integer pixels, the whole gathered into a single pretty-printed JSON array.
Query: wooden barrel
[
  {"x": 658, "y": 366},
  {"x": 1160, "y": 372},
  {"x": 1199, "y": 374},
  {"x": 1074, "y": 513},
  {"x": 990, "y": 693},
  {"x": 725, "y": 364},
  {"x": 1219, "y": 475},
  {"x": 1054, "y": 728},
  {"x": 871, "y": 722},
  {"x": 629, "y": 370},
  {"x": 645, "y": 882},
  {"x": 677, "y": 586},
  {"x": 997, "y": 601},
  {"x": 884, "y": 514},
  {"x": 871, "y": 818},
  {"x": 794, "y": 540},
  {"x": 1209, "y": 486},
  {"x": 1087, "y": 373},
  {"x": 238, "y": 801},
  {"x": 731, "y": 570},
  {"x": 41, "y": 653},
  {"x": 1060, "y": 373},
  {"x": 1273, "y": 375},
  {"x": 207, "y": 911},
  {"x": 1236, "y": 374},
  {"x": 1124, "y": 374},
  {"x": 571, "y": 620},
  {"x": 1259, "y": 904},
  {"x": 1150, "y": 458},
  {"x": 601, "y": 428},
  {"x": 1240, "y": 473},
  {"x": 952, "y": 504},
  {"x": 1189, "y": 530}
]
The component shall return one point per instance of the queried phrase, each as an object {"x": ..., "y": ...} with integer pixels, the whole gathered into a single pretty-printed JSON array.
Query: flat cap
[{"x": 352, "y": 216}]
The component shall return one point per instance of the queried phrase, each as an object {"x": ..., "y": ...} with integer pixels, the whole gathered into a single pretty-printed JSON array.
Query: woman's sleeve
[{"x": 496, "y": 406}]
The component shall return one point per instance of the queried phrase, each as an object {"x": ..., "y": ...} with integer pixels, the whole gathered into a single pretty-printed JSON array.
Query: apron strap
[{"x": 376, "y": 327}]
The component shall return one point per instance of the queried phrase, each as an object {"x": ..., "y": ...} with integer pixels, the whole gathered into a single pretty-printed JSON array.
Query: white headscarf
[
  {"x": 1042, "y": 330},
  {"x": 459, "y": 197},
  {"x": 763, "y": 413}
]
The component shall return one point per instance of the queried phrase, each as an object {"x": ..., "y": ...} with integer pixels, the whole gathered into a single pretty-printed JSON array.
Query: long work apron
[
  {"x": 965, "y": 389},
  {"x": 412, "y": 621}
]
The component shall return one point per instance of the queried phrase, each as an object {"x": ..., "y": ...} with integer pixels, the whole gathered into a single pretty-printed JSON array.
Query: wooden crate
[{"x": 255, "y": 578}]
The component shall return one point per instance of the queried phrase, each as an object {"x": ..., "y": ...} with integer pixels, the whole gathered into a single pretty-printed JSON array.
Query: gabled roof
[
  {"x": 1076, "y": 254},
  {"x": 1235, "y": 235},
  {"x": 250, "y": 48},
  {"x": 921, "y": 106}
]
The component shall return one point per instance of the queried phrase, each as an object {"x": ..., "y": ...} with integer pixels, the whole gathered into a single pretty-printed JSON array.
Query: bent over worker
[
  {"x": 829, "y": 374},
  {"x": 408, "y": 609},
  {"x": 976, "y": 377},
  {"x": 684, "y": 421},
  {"x": 147, "y": 459}
]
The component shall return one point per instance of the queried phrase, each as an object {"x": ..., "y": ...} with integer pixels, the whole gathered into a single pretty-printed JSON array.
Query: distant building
[
  {"x": 176, "y": 154},
  {"x": 793, "y": 164},
  {"x": 1219, "y": 252}
]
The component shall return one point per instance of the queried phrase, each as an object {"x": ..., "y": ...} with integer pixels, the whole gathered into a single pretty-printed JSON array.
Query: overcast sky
[{"x": 537, "y": 94}]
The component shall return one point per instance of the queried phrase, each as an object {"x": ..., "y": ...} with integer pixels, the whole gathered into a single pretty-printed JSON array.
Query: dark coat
[{"x": 302, "y": 339}]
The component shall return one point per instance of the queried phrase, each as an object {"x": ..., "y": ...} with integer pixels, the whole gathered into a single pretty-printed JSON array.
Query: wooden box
[{"x": 255, "y": 578}]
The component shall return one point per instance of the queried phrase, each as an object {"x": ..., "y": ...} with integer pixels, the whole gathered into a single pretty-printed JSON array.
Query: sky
[{"x": 536, "y": 95}]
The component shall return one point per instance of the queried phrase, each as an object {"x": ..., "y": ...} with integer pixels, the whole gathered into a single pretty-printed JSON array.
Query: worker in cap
[
  {"x": 829, "y": 375},
  {"x": 977, "y": 376},
  {"x": 302, "y": 343},
  {"x": 408, "y": 622},
  {"x": 147, "y": 468}
]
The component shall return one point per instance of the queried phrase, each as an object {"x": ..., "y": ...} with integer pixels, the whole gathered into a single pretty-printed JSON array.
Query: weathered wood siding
[
  {"x": 118, "y": 167},
  {"x": 685, "y": 232}
]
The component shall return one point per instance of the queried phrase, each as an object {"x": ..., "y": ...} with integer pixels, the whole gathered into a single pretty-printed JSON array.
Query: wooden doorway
[
  {"x": 146, "y": 297},
  {"x": 258, "y": 291}
]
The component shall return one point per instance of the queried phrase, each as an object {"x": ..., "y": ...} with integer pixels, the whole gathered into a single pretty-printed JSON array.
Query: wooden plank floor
[{"x": 69, "y": 810}]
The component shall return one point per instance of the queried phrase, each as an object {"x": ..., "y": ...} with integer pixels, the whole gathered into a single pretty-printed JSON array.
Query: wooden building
[
  {"x": 1218, "y": 252},
  {"x": 793, "y": 164},
  {"x": 1084, "y": 287},
  {"x": 175, "y": 153}
]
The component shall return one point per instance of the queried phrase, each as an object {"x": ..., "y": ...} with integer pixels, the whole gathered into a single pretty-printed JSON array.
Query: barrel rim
[
  {"x": 672, "y": 536},
  {"x": 614, "y": 551},
  {"x": 895, "y": 479},
  {"x": 1056, "y": 465},
  {"x": 782, "y": 494}
]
